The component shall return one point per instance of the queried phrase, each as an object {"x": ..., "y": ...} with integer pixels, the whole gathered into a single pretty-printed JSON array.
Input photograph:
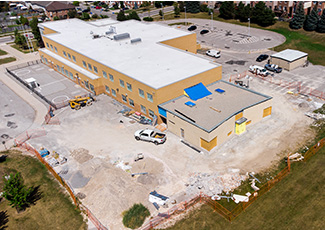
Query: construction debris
[
  {"x": 296, "y": 157},
  {"x": 316, "y": 116},
  {"x": 155, "y": 197},
  {"x": 253, "y": 185},
  {"x": 138, "y": 157},
  {"x": 213, "y": 184},
  {"x": 252, "y": 175},
  {"x": 239, "y": 198},
  {"x": 124, "y": 166}
]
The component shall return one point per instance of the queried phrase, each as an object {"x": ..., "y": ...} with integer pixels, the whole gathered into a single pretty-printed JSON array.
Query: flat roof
[
  {"x": 210, "y": 112},
  {"x": 150, "y": 62},
  {"x": 290, "y": 55}
]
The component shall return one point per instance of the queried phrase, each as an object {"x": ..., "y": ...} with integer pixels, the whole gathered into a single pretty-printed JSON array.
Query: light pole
[
  {"x": 162, "y": 6},
  {"x": 249, "y": 27},
  {"x": 211, "y": 20},
  {"x": 185, "y": 16}
]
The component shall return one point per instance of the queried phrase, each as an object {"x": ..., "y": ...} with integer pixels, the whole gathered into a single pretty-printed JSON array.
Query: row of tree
[
  {"x": 132, "y": 15},
  {"x": 258, "y": 14},
  {"x": 312, "y": 22}
]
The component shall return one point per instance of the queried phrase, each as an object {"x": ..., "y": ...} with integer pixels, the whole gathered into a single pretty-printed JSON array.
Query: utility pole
[
  {"x": 185, "y": 16},
  {"x": 249, "y": 27},
  {"x": 211, "y": 20}
]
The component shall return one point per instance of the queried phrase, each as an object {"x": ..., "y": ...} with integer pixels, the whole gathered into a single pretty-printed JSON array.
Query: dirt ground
[{"x": 95, "y": 141}]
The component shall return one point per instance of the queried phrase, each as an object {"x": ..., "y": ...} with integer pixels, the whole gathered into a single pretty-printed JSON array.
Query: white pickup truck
[
  {"x": 259, "y": 70},
  {"x": 150, "y": 135}
]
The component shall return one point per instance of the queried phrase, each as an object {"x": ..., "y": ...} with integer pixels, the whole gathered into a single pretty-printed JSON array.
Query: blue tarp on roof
[
  {"x": 154, "y": 193},
  {"x": 196, "y": 92},
  {"x": 190, "y": 104},
  {"x": 220, "y": 90}
]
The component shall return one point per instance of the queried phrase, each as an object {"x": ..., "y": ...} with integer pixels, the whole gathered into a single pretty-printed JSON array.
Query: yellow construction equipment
[{"x": 79, "y": 102}]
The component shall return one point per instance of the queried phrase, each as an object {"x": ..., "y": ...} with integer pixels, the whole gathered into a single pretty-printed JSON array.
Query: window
[
  {"x": 47, "y": 44},
  {"x": 95, "y": 69},
  {"x": 67, "y": 73},
  {"x": 151, "y": 113},
  {"x": 90, "y": 67},
  {"x": 129, "y": 86},
  {"x": 56, "y": 50},
  {"x": 86, "y": 84},
  {"x": 124, "y": 98},
  {"x": 107, "y": 89},
  {"x": 131, "y": 102},
  {"x": 149, "y": 96},
  {"x": 143, "y": 109},
  {"x": 122, "y": 83},
  {"x": 92, "y": 88},
  {"x": 141, "y": 93},
  {"x": 69, "y": 56},
  {"x": 104, "y": 74},
  {"x": 114, "y": 92},
  {"x": 62, "y": 70},
  {"x": 46, "y": 61},
  {"x": 74, "y": 58},
  {"x": 51, "y": 47},
  {"x": 58, "y": 68},
  {"x": 84, "y": 64},
  {"x": 64, "y": 54},
  {"x": 71, "y": 75},
  {"x": 111, "y": 77}
]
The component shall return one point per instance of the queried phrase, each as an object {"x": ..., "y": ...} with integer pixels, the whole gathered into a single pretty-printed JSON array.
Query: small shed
[{"x": 289, "y": 59}]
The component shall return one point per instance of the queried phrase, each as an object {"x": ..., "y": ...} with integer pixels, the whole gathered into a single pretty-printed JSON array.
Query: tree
[
  {"x": 227, "y": 10},
  {"x": 16, "y": 192},
  {"x": 23, "y": 20},
  {"x": 19, "y": 39},
  {"x": 75, "y": 3},
  {"x": 321, "y": 24},
  {"x": 18, "y": 21},
  {"x": 94, "y": 16},
  {"x": 134, "y": 15},
  {"x": 204, "y": 7},
  {"x": 158, "y": 4},
  {"x": 312, "y": 20},
  {"x": 115, "y": 6},
  {"x": 246, "y": 13},
  {"x": 35, "y": 30},
  {"x": 121, "y": 16},
  {"x": 72, "y": 14},
  {"x": 239, "y": 10},
  {"x": 298, "y": 19},
  {"x": 262, "y": 15},
  {"x": 85, "y": 16},
  {"x": 177, "y": 11},
  {"x": 122, "y": 5},
  {"x": 161, "y": 13},
  {"x": 135, "y": 216},
  {"x": 181, "y": 6},
  {"x": 192, "y": 7},
  {"x": 148, "y": 19}
]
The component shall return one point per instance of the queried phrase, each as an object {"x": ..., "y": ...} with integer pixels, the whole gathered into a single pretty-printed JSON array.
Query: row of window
[
  {"x": 71, "y": 57},
  {"x": 131, "y": 102}
]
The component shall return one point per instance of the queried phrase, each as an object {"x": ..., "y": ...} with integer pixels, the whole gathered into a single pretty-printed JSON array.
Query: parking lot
[{"x": 55, "y": 87}]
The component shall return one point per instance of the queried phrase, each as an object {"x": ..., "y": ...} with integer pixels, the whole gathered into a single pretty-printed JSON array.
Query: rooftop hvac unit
[
  {"x": 121, "y": 36},
  {"x": 112, "y": 30},
  {"x": 95, "y": 36},
  {"x": 135, "y": 40}
]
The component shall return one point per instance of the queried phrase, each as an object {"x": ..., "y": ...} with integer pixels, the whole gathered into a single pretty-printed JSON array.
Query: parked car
[
  {"x": 262, "y": 57},
  {"x": 98, "y": 7},
  {"x": 213, "y": 53},
  {"x": 191, "y": 28},
  {"x": 204, "y": 31},
  {"x": 150, "y": 135},
  {"x": 273, "y": 68},
  {"x": 86, "y": 10},
  {"x": 259, "y": 70}
]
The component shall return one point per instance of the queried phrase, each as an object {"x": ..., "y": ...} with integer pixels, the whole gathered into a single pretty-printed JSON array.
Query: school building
[{"x": 154, "y": 70}]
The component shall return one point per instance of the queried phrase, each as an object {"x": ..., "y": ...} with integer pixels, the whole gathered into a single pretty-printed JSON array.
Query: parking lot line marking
[{"x": 22, "y": 72}]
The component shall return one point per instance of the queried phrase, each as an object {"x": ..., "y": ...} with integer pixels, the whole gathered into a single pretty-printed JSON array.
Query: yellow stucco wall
[
  {"x": 48, "y": 31},
  {"x": 187, "y": 43}
]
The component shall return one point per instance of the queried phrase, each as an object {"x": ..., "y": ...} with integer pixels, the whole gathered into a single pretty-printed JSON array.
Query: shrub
[
  {"x": 135, "y": 216},
  {"x": 94, "y": 16},
  {"x": 148, "y": 19}
]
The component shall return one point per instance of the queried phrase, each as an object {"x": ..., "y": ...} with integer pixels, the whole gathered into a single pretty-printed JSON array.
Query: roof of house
[
  {"x": 54, "y": 5},
  {"x": 290, "y": 55},
  {"x": 147, "y": 60},
  {"x": 210, "y": 112}
]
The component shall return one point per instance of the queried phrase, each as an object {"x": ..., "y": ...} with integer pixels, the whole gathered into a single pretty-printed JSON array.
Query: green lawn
[
  {"x": 54, "y": 209},
  {"x": 7, "y": 60},
  {"x": 310, "y": 42},
  {"x": 297, "y": 202},
  {"x": 17, "y": 47},
  {"x": 2, "y": 52}
]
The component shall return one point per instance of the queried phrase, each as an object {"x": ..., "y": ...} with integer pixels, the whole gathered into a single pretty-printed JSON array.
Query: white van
[
  {"x": 258, "y": 70},
  {"x": 213, "y": 53}
]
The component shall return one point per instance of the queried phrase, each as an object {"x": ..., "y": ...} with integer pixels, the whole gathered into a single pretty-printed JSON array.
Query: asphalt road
[{"x": 6, "y": 39}]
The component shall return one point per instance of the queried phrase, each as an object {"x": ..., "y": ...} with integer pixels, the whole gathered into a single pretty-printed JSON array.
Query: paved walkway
[{"x": 232, "y": 38}]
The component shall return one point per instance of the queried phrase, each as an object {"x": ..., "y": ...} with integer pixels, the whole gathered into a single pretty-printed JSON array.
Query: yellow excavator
[{"x": 79, "y": 102}]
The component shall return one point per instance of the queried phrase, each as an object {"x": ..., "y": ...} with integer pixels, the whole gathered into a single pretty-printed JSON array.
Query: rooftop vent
[
  {"x": 95, "y": 36},
  {"x": 121, "y": 36},
  {"x": 135, "y": 40},
  {"x": 190, "y": 104},
  {"x": 112, "y": 30},
  {"x": 220, "y": 90}
]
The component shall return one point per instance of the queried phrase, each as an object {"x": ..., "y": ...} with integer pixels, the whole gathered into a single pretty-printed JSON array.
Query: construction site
[{"x": 89, "y": 140}]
